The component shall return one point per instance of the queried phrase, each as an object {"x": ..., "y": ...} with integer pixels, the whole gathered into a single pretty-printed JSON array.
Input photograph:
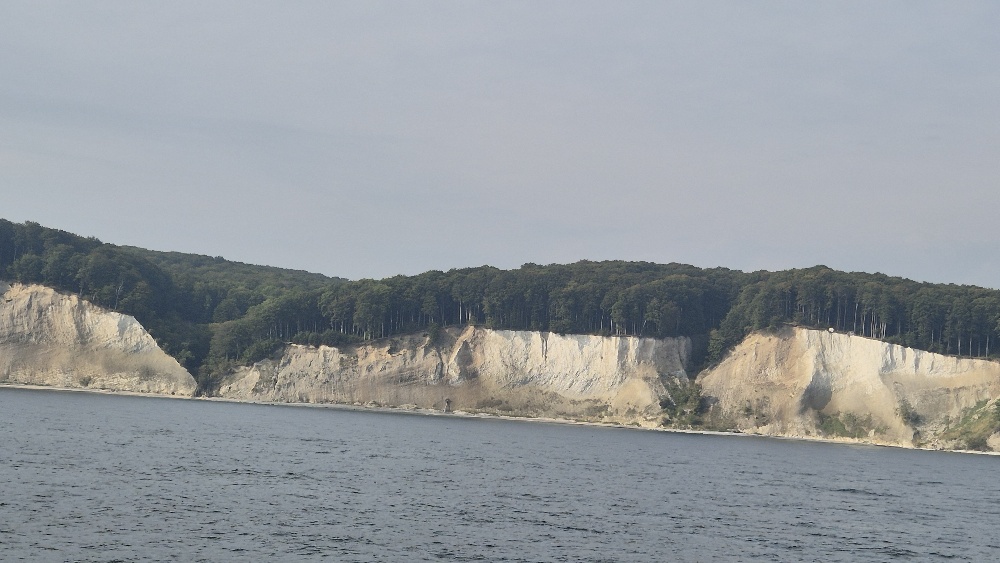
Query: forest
[{"x": 213, "y": 314}]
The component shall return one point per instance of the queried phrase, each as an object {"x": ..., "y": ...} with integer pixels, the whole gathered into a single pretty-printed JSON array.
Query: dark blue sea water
[{"x": 87, "y": 477}]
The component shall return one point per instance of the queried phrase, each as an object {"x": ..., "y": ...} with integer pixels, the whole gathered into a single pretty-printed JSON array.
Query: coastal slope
[
  {"x": 520, "y": 373},
  {"x": 795, "y": 382},
  {"x": 52, "y": 339},
  {"x": 811, "y": 383}
]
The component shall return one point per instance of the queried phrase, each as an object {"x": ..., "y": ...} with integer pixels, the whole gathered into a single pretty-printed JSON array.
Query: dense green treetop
[
  {"x": 191, "y": 269},
  {"x": 213, "y": 314}
]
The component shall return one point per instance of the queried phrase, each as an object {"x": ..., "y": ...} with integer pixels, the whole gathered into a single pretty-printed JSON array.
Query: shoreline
[{"x": 402, "y": 410}]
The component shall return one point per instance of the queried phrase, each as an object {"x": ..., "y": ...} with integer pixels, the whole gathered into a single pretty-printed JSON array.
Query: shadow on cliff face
[{"x": 816, "y": 396}]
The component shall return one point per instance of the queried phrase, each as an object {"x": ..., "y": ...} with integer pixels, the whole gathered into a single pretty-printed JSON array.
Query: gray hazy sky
[{"x": 367, "y": 139}]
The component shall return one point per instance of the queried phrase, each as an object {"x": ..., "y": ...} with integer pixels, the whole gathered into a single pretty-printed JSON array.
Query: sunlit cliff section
[
  {"x": 810, "y": 383},
  {"x": 49, "y": 338},
  {"x": 518, "y": 373}
]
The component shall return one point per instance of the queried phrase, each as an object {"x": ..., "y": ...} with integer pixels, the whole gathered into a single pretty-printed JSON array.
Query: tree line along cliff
[{"x": 213, "y": 314}]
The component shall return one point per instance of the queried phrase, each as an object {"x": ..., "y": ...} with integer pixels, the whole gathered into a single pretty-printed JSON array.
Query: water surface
[{"x": 89, "y": 477}]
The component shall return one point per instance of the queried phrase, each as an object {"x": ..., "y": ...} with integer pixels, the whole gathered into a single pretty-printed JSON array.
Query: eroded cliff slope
[
  {"x": 47, "y": 338},
  {"x": 798, "y": 382},
  {"x": 503, "y": 372},
  {"x": 811, "y": 383}
]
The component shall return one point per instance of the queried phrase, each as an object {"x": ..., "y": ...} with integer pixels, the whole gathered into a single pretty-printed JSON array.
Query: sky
[{"x": 369, "y": 139}]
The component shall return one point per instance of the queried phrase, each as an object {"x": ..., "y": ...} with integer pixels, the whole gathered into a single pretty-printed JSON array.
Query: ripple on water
[{"x": 100, "y": 478}]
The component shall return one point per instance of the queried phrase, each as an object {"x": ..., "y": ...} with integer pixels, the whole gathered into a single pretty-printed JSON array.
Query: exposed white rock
[
  {"x": 48, "y": 338},
  {"x": 785, "y": 384},
  {"x": 508, "y": 372},
  {"x": 777, "y": 383}
]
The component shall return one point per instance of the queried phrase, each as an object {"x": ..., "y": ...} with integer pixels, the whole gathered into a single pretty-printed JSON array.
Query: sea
[{"x": 105, "y": 477}]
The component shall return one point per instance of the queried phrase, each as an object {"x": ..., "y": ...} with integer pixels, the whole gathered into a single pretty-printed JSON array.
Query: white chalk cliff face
[
  {"x": 811, "y": 383},
  {"x": 476, "y": 369},
  {"x": 47, "y": 338},
  {"x": 798, "y": 383}
]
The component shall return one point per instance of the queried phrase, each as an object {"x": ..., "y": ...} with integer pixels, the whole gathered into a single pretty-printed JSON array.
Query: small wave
[{"x": 865, "y": 492}]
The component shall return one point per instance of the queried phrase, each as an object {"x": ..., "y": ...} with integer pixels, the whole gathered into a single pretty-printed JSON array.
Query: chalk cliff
[
  {"x": 796, "y": 383},
  {"x": 476, "y": 369},
  {"x": 47, "y": 338},
  {"x": 811, "y": 383}
]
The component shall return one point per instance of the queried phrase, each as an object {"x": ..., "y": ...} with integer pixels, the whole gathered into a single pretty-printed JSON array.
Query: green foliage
[
  {"x": 260, "y": 350},
  {"x": 832, "y": 426},
  {"x": 976, "y": 425},
  {"x": 683, "y": 405},
  {"x": 909, "y": 416},
  {"x": 948, "y": 319},
  {"x": 433, "y": 334},
  {"x": 145, "y": 285},
  {"x": 846, "y": 425},
  {"x": 27, "y": 269},
  {"x": 211, "y": 313},
  {"x": 325, "y": 338}
]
